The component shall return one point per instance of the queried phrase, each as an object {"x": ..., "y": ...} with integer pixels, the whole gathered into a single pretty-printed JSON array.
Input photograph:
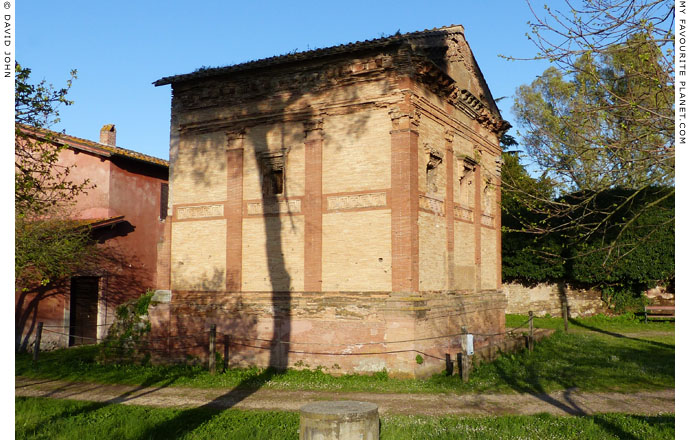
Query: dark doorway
[{"x": 83, "y": 316}]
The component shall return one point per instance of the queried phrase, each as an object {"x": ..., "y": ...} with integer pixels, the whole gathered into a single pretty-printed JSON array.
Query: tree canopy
[
  {"x": 48, "y": 246},
  {"x": 644, "y": 251},
  {"x": 599, "y": 121}
]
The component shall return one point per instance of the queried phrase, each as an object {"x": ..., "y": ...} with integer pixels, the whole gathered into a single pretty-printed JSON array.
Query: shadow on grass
[
  {"x": 579, "y": 323},
  {"x": 151, "y": 384},
  {"x": 586, "y": 364}
]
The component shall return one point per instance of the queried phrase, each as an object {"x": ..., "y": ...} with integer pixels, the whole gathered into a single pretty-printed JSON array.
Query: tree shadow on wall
[
  {"x": 123, "y": 276},
  {"x": 275, "y": 222}
]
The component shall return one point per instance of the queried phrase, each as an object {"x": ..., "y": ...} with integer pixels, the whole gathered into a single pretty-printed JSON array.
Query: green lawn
[
  {"x": 37, "y": 418},
  {"x": 600, "y": 323},
  {"x": 598, "y": 354}
]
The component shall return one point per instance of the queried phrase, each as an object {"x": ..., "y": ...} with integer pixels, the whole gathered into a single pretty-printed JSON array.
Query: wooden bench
[{"x": 659, "y": 312}]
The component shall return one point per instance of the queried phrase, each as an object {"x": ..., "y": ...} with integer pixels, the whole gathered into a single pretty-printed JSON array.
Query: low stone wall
[{"x": 546, "y": 298}]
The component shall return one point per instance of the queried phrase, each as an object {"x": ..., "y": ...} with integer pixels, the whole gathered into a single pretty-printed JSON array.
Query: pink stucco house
[{"x": 125, "y": 211}]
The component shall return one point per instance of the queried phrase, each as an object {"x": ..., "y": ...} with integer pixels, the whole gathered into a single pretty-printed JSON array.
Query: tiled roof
[
  {"x": 312, "y": 54},
  {"x": 94, "y": 147}
]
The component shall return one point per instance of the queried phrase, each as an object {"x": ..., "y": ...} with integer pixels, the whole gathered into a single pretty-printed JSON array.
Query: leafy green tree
[
  {"x": 601, "y": 118},
  {"x": 644, "y": 255},
  {"x": 526, "y": 256},
  {"x": 48, "y": 246}
]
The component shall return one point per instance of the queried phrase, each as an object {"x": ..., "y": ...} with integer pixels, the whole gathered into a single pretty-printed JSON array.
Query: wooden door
[{"x": 83, "y": 315}]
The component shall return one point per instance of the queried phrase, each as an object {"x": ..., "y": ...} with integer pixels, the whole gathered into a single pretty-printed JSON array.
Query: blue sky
[{"x": 120, "y": 48}]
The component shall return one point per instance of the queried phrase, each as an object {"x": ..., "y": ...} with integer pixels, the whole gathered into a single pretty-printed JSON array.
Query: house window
[{"x": 273, "y": 173}]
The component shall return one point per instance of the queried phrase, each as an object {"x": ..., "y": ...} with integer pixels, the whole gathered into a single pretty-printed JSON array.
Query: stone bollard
[{"x": 339, "y": 420}]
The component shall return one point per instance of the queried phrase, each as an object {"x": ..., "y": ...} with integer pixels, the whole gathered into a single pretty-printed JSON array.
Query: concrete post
[{"x": 339, "y": 420}]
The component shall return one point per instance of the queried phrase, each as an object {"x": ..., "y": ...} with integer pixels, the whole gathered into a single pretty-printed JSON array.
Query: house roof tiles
[{"x": 91, "y": 146}]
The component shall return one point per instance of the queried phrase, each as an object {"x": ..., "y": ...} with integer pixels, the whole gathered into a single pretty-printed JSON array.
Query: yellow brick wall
[
  {"x": 489, "y": 271},
  {"x": 433, "y": 252},
  {"x": 464, "y": 256},
  {"x": 357, "y": 251},
  {"x": 276, "y": 263},
  {"x": 198, "y": 255},
  {"x": 264, "y": 138},
  {"x": 356, "y": 152},
  {"x": 199, "y": 172},
  {"x": 462, "y": 147},
  {"x": 432, "y": 135}
]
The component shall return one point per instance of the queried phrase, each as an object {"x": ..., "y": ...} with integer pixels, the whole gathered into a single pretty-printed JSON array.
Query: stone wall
[{"x": 545, "y": 299}]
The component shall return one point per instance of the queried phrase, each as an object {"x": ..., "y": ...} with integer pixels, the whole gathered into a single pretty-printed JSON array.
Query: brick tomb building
[{"x": 337, "y": 207}]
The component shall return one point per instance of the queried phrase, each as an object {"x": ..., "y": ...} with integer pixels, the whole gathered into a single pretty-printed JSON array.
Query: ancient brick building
[{"x": 336, "y": 207}]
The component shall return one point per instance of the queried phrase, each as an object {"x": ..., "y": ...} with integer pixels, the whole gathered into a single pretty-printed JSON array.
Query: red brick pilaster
[
  {"x": 312, "y": 205},
  {"x": 497, "y": 223},
  {"x": 163, "y": 257},
  {"x": 233, "y": 211},
  {"x": 478, "y": 227},
  {"x": 404, "y": 199},
  {"x": 450, "y": 209}
]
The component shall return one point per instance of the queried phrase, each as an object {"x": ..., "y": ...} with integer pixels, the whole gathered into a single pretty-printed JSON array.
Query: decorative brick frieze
[
  {"x": 431, "y": 205},
  {"x": 356, "y": 201},
  {"x": 488, "y": 220},
  {"x": 462, "y": 213},
  {"x": 201, "y": 211},
  {"x": 245, "y": 87},
  {"x": 292, "y": 206}
]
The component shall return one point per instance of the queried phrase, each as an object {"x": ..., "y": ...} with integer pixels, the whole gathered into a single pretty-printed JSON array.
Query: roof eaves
[
  {"x": 309, "y": 55},
  {"x": 95, "y": 147}
]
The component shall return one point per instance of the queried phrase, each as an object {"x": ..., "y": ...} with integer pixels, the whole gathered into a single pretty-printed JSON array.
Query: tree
[
  {"x": 48, "y": 246},
  {"x": 526, "y": 256},
  {"x": 601, "y": 118},
  {"x": 558, "y": 256}
]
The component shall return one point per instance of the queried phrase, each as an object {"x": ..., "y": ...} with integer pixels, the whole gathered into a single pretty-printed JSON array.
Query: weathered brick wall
[
  {"x": 364, "y": 245},
  {"x": 357, "y": 251},
  {"x": 198, "y": 255},
  {"x": 273, "y": 253},
  {"x": 361, "y": 332},
  {"x": 200, "y": 169},
  {"x": 545, "y": 299},
  {"x": 489, "y": 258}
]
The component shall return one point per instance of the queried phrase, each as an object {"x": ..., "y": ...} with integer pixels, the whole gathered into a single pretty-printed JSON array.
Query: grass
[
  {"x": 595, "y": 356},
  {"x": 628, "y": 322},
  {"x": 37, "y": 418}
]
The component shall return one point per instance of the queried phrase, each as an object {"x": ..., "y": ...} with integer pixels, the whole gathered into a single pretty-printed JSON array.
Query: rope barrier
[{"x": 353, "y": 344}]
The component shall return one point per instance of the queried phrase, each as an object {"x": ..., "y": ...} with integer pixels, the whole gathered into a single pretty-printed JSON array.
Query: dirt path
[{"x": 560, "y": 403}]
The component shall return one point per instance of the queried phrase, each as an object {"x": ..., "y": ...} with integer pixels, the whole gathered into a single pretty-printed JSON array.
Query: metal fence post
[{"x": 449, "y": 365}]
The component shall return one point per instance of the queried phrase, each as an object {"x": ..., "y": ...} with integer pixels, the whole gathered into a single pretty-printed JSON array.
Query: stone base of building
[{"x": 408, "y": 335}]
